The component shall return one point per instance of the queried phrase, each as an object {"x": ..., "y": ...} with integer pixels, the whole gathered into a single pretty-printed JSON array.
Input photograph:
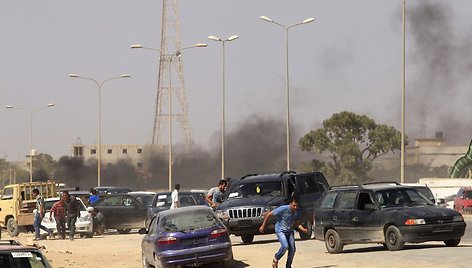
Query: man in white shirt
[{"x": 175, "y": 197}]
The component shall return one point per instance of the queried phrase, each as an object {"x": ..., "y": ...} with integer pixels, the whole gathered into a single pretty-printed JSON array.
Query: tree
[
  {"x": 351, "y": 143},
  {"x": 44, "y": 167}
]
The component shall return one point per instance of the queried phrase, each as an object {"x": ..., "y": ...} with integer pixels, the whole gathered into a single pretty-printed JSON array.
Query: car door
[
  {"x": 309, "y": 191},
  {"x": 111, "y": 207},
  {"x": 150, "y": 239},
  {"x": 342, "y": 215},
  {"x": 133, "y": 212},
  {"x": 365, "y": 220}
]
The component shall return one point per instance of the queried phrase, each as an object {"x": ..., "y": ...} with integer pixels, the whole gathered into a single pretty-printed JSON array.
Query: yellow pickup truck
[{"x": 17, "y": 205}]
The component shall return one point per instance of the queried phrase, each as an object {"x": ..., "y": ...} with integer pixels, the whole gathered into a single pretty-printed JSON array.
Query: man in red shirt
[{"x": 59, "y": 210}]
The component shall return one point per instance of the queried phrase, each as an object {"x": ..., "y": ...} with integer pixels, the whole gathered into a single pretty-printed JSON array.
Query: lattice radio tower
[{"x": 170, "y": 41}]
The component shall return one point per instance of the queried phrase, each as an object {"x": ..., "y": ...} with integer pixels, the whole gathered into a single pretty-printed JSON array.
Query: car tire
[
  {"x": 394, "y": 238},
  {"x": 333, "y": 242},
  {"x": 89, "y": 235},
  {"x": 452, "y": 242},
  {"x": 12, "y": 227},
  {"x": 306, "y": 236},
  {"x": 123, "y": 231},
  {"x": 247, "y": 239}
]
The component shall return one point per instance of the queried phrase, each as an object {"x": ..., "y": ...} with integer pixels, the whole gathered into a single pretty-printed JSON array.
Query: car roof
[
  {"x": 184, "y": 209},
  {"x": 141, "y": 193},
  {"x": 372, "y": 186},
  {"x": 10, "y": 245}
]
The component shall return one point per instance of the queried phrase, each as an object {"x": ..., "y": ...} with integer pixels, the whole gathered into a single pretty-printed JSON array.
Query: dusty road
[{"x": 115, "y": 250}]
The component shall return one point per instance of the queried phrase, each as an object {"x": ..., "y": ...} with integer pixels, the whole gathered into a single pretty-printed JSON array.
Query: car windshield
[
  {"x": 188, "y": 220},
  {"x": 401, "y": 197},
  {"x": 252, "y": 189},
  {"x": 468, "y": 194},
  {"x": 20, "y": 259}
]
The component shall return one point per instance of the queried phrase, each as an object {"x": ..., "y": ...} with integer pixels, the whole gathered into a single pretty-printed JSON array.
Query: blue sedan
[{"x": 185, "y": 236}]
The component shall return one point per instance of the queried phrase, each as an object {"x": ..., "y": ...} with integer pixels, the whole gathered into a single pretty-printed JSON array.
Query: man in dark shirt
[{"x": 73, "y": 211}]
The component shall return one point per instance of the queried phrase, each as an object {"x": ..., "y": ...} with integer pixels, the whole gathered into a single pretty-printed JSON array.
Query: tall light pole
[
  {"x": 99, "y": 147},
  {"x": 215, "y": 38},
  {"x": 178, "y": 53},
  {"x": 287, "y": 86},
  {"x": 30, "y": 112},
  {"x": 402, "y": 143}
]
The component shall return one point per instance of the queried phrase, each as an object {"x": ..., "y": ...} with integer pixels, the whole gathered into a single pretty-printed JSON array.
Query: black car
[
  {"x": 383, "y": 213},
  {"x": 162, "y": 201},
  {"x": 104, "y": 190},
  {"x": 251, "y": 197},
  {"x": 15, "y": 255},
  {"x": 124, "y": 212}
]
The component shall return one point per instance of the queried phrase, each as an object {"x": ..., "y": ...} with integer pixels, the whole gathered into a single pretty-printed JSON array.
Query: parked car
[
  {"x": 185, "y": 236},
  {"x": 163, "y": 200},
  {"x": 123, "y": 212},
  {"x": 251, "y": 197},
  {"x": 463, "y": 200},
  {"x": 387, "y": 214},
  {"x": 104, "y": 190},
  {"x": 83, "y": 225},
  {"x": 15, "y": 255}
]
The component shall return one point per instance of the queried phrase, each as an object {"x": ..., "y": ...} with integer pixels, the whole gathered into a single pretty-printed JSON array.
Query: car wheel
[
  {"x": 452, "y": 242},
  {"x": 306, "y": 236},
  {"x": 89, "y": 235},
  {"x": 145, "y": 261},
  {"x": 12, "y": 227},
  {"x": 333, "y": 241},
  {"x": 394, "y": 238},
  {"x": 123, "y": 231},
  {"x": 247, "y": 239}
]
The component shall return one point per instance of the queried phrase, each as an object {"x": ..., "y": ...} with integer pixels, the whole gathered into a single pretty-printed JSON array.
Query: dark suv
[
  {"x": 252, "y": 196},
  {"x": 388, "y": 214}
]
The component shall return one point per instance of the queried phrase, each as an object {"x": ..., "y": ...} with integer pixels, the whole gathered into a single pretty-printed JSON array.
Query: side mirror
[
  {"x": 142, "y": 231},
  {"x": 370, "y": 206}
]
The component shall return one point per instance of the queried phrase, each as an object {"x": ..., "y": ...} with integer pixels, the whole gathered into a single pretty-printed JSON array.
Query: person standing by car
[
  {"x": 288, "y": 216},
  {"x": 94, "y": 197},
  {"x": 215, "y": 194},
  {"x": 39, "y": 215},
  {"x": 73, "y": 210},
  {"x": 59, "y": 210},
  {"x": 175, "y": 197}
]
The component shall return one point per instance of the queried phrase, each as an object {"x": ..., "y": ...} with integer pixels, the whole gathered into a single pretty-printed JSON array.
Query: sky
[{"x": 348, "y": 59}]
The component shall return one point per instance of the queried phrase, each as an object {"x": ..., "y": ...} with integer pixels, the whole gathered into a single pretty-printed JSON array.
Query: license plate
[
  {"x": 245, "y": 223},
  {"x": 443, "y": 228}
]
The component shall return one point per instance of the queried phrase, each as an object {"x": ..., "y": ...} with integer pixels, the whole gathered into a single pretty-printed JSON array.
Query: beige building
[
  {"x": 111, "y": 153},
  {"x": 433, "y": 152}
]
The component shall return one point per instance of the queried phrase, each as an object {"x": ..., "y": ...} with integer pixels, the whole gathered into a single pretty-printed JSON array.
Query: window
[
  {"x": 125, "y": 151},
  {"x": 348, "y": 199},
  {"x": 328, "y": 200},
  {"x": 93, "y": 151},
  {"x": 308, "y": 185},
  {"x": 140, "y": 164},
  {"x": 140, "y": 151},
  {"x": 109, "y": 151},
  {"x": 364, "y": 198},
  {"x": 7, "y": 193}
]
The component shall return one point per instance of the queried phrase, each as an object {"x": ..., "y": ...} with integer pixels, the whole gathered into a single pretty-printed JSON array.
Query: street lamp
[
  {"x": 402, "y": 142},
  {"x": 30, "y": 112},
  {"x": 178, "y": 53},
  {"x": 231, "y": 38},
  {"x": 99, "y": 87},
  {"x": 286, "y": 76}
]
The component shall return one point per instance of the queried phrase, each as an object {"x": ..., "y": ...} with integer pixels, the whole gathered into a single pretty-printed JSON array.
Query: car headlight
[
  {"x": 415, "y": 221},
  {"x": 221, "y": 213},
  {"x": 458, "y": 218}
]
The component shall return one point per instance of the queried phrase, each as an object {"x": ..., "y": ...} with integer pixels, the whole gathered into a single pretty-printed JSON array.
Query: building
[{"x": 111, "y": 153}]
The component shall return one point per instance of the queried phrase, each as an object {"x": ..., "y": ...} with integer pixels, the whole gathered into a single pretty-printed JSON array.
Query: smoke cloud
[{"x": 438, "y": 67}]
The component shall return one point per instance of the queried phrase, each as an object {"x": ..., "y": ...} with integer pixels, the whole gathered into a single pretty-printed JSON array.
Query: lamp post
[
  {"x": 178, "y": 53},
  {"x": 402, "y": 143},
  {"x": 99, "y": 147},
  {"x": 30, "y": 112},
  {"x": 287, "y": 77},
  {"x": 215, "y": 38}
]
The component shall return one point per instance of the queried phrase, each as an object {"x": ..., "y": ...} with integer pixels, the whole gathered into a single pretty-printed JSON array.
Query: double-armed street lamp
[
  {"x": 223, "y": 41},
  {"x": 287, "y": 77},
  {"x": 177, "y": 53},
  {"x": 30, "y": 112},
  {"x": 99, "y": 146}
]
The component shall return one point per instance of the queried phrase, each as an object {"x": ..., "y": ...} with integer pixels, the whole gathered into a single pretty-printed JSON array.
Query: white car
[{"x": 83, "y": 226}]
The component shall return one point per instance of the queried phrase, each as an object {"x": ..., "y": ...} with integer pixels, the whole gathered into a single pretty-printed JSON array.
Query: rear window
[
  {"x": 21, "y": 259},
  {"x": 188, "y": 220}
]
